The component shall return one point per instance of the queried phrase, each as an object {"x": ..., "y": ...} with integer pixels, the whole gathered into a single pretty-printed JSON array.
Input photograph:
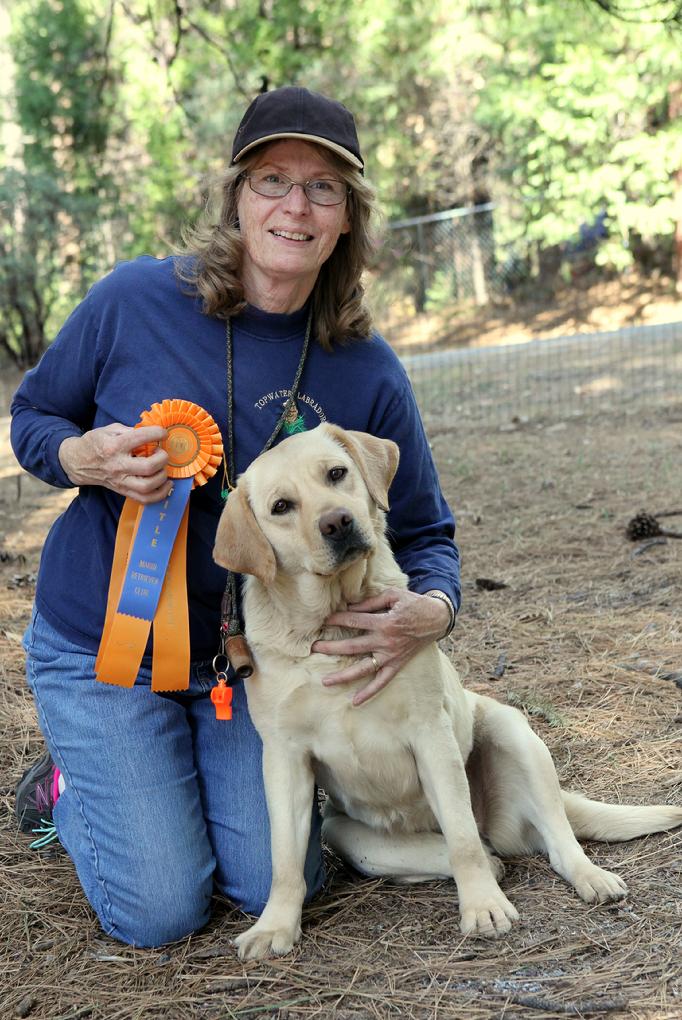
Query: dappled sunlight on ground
[{"x": 584, "y": 306}]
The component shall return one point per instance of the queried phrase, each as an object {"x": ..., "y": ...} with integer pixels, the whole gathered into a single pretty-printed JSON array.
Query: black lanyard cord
[{"x": 229, "y": 617}]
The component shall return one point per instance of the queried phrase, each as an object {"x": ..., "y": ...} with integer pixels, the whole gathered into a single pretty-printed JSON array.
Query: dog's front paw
[
  {"x": 595, "y": 885},
  {"x": 489, "y": 915},
  {"x": 262, "y": 940}
]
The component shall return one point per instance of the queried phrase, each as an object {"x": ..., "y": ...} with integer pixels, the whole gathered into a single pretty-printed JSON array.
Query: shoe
[{"x": 36, "y": 795}]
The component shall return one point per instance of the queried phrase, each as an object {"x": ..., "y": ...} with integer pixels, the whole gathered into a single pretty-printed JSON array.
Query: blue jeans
[{"x": 162, "y": 801}]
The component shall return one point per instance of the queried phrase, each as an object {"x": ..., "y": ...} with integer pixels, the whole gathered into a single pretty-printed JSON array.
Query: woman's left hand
[{"x": 397, "y": 623}]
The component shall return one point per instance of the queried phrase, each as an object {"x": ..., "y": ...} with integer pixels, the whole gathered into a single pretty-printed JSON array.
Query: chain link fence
[
  {"x": 453, "y": 258},
  {"x": 470, "y": 255},
  {"x": 633, "y": 369},
  {"x": 444, "y": 258}
]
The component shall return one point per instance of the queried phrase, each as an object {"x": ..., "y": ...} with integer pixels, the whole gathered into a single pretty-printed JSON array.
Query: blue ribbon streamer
[{"x": 148, "y": 561}]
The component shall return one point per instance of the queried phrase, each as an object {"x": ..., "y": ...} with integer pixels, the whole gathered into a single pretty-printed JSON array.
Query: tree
[
  {"x": 638, "y": 12},
  {"x": 557, "y": 112},
  {"x": 579, "y": 106},
  {"x": 57, "y": 190}
]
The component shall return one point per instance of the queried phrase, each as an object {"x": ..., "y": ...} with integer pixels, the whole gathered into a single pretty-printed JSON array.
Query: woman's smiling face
[{"x": 286, "y": 240}]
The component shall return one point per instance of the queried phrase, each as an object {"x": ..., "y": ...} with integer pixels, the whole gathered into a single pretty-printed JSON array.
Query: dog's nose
[{"x": 336, "y": 524}]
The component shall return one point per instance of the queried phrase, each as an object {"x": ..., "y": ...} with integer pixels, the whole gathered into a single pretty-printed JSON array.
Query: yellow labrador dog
[{"x": 418, "y": 774}]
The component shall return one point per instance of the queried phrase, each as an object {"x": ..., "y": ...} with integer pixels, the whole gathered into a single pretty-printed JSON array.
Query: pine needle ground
[{"x": 586, "y": 636}]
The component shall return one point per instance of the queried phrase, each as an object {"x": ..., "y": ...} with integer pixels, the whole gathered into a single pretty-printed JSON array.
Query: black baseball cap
[{"x": 292, "y": 112}]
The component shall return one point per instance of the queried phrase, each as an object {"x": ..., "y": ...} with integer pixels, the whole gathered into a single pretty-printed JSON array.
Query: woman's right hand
[{"x": 104, "y": 456}]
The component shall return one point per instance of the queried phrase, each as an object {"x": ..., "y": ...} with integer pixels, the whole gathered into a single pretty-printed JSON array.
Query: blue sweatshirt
[{"x": 138, "y": 338}]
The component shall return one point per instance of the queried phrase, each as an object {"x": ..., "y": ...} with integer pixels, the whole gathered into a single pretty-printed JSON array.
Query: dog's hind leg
[
  {"x": 401, "y": 856},
  {"x": 525, "y": 806}
]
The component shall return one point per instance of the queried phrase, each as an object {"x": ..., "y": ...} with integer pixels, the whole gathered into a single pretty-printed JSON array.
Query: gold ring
[{"x": 376, "y": 665}]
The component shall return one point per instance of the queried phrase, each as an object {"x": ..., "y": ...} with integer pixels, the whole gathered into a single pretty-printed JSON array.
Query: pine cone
[{"x": 644, "y": 525}]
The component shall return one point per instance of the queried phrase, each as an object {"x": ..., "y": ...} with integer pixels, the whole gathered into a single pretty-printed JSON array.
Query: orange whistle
[{"x": 221, "y": 696}]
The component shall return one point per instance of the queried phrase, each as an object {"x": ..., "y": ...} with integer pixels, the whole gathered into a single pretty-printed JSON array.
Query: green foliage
[
  {"x": 441, "y": 290},
  {"x": 29, "y": 207},
  {"x": 59, "y": 190},
  {"x": 60, "y": 79},
  {"x": 555, "y": 111},
  {"x": 576, "y": 105}
]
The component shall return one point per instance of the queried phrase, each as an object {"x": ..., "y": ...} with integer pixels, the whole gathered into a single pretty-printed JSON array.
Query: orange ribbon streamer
[{"x": 195, "y": 450}]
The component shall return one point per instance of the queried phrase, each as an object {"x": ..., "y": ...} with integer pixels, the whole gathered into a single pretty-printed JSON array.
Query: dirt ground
[
  {"x": 588, "y": 304},
  {"x": 585, "y": 636}
]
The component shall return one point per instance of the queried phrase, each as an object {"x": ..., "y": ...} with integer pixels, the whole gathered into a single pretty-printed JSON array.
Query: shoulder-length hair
[{"x": 213, "y": 253}]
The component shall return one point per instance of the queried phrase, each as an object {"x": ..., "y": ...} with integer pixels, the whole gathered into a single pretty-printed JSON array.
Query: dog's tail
[{"x": 590, "y": 819}]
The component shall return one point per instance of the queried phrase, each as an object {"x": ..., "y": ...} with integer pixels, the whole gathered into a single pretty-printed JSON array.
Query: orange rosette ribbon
[
  {"x": 148, "y": 583},
  {"x": 193, "y": 444}
]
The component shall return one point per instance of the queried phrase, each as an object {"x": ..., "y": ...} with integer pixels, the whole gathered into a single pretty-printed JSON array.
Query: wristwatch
[{"x": 436, "y": 594}]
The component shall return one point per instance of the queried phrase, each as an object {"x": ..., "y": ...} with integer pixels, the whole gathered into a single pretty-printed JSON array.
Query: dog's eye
[
  {"x": 280, "y": 506},
  {"x": 335, "y": 474}
]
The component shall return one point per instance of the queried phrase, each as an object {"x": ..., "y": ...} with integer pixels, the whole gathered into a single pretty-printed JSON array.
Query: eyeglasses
[{"x": 320, "y": 190}]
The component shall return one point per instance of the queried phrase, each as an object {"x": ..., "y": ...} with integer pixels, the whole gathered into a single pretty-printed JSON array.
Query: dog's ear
[
  {"x": 376, "y": 458},
  {"x": 240, "y": 545}
]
